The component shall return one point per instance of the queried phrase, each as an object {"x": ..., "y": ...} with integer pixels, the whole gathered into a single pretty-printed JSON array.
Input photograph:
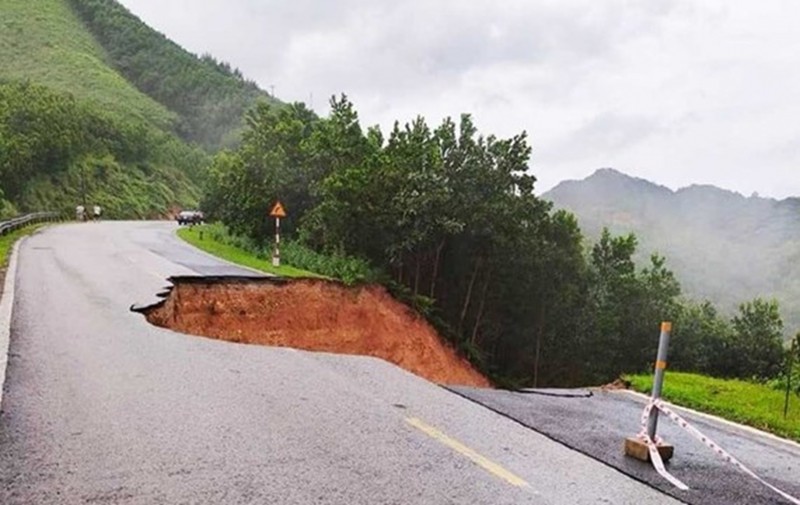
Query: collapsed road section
[{"x": 314, "y": 315}]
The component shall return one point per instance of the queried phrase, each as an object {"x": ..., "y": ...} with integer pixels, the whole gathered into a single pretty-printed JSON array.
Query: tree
[
  {"x": 700, "y": 340},
  {"x": 50, "y": 140},
  {"x": 627, "y": 306},
  {"x": 451, "y": 217},
  {"x": 757, "y": 345},
  {"x": 273, "y": 163}
]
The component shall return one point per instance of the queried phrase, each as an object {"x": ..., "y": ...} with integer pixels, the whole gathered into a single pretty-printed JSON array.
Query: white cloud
[{"x": 676, "y": 91}]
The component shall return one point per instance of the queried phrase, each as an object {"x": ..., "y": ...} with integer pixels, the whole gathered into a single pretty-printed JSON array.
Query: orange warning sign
[{"x": 277, "y": 210}]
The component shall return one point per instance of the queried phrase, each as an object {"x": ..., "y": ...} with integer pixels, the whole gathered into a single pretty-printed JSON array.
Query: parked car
[{"x": 190, "y": 217}]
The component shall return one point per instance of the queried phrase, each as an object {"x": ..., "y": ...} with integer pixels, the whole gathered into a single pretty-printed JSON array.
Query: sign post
[{"x": 277, "y": 212}]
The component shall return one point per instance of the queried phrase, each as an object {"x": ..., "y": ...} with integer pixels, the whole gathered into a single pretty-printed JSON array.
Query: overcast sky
[{"x": 677, "y": 92}]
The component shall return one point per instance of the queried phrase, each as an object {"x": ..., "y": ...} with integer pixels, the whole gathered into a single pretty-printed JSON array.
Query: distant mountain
[{"x": 723, "y": 246}]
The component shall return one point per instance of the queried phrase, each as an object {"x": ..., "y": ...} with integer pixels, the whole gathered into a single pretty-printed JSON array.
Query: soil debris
[
  {"x": 314, "y": 315},
  {"x": 617, "y": 384}
]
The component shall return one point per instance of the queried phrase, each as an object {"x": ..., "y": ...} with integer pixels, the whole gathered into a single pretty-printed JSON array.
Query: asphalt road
[
  {"x": 598, "y": 424},
  {"x": 101, "y": 407}
]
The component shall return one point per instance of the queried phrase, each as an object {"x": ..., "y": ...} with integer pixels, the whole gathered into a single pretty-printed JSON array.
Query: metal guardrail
[{"x": 19, "y": 222}]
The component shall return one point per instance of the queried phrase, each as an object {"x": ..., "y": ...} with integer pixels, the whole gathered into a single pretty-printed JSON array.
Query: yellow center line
[{"x": 483, "y": 462}]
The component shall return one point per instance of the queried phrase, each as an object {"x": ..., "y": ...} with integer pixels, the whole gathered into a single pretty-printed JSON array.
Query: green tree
[
  {"x": 701, "y": 339},
  {"x": 272, "y": 164},
  {"x": 627, "y": 306},
  {"x": 52, "y": 146},
  {"x": 451, "y": 217},
  {"x": 757, "y": 344}
]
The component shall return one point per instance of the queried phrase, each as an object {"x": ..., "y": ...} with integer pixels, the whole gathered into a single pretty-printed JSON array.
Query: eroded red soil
[{"x": 314, "y": 315}]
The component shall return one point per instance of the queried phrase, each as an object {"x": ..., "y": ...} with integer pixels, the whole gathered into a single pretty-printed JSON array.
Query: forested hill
[
  {"x": 209, "y": 97},
  {"x": 74, "y": 131},
  {"x": 721, "y": 245},
  {"x": 98, "y": 108}
]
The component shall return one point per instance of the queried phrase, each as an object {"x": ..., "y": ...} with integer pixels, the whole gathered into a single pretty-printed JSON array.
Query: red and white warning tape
[{"x": 659, "y": 464}]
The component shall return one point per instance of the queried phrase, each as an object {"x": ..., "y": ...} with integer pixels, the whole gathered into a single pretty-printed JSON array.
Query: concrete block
[{"x": 636, "y": 448}]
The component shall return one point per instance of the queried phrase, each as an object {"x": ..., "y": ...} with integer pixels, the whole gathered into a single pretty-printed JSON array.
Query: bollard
[
  {"x": 658, "y": 379},
  {"x": 634, "y": 446}
]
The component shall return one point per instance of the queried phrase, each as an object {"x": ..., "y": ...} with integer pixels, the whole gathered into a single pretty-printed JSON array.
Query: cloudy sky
[{"x": 675, "y": 91}]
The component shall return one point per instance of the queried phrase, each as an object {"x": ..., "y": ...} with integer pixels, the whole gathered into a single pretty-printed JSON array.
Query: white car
[{"x": 190, "y": 217}]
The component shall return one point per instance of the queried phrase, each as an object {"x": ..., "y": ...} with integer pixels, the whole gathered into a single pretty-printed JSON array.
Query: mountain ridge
[{"x": 208, "y": 97}]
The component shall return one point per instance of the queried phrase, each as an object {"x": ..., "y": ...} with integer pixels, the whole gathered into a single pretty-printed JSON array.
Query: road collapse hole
[{"x": 314, "y": 315}]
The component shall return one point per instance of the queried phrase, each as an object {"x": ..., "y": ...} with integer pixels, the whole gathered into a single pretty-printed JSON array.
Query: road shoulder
[{"x": 6, "y": 306}]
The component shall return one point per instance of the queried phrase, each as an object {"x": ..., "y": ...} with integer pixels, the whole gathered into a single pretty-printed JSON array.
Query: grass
[
  {"x": 45, "y": 42},
  {"x": 744, "y": 402},
  {"x": 201, "y": 237},
  {"x": 7, "y": 242}
]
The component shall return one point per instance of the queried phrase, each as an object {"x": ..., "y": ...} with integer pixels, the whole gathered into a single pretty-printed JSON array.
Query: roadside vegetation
[
  {"x": 7, "y": 242},
  {"x": 755, "y": 404},
  {"x": 449, "y": 218},
  {"x": 214, "y": 239},
  {"x": 54, "y": 149}
]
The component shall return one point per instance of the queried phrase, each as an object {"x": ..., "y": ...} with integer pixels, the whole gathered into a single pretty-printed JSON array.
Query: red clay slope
[{"x": 315, "y": 315}]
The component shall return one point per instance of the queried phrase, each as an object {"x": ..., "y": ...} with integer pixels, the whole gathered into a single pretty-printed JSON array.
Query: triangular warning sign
[{"x": 277, "y": 210}]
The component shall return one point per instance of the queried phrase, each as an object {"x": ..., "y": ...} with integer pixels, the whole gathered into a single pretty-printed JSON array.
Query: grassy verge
[
  {"x": 7, "y": 242},
  {"x": 748, "y": 403},
  {"x": 237, "y": 255}
]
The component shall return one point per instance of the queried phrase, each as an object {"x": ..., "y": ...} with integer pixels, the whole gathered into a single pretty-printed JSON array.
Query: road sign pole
[
  {"x": 276, "y": 256},
  {"x": 277, "y": 212}
]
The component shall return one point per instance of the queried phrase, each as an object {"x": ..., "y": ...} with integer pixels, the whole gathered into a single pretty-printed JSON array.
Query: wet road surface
[
  {"x": 101, "y": 407},
  {"x": 598, "y": 425}
]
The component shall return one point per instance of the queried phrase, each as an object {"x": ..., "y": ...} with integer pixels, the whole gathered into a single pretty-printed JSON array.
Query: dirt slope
[{"x": 314, "y": 315}]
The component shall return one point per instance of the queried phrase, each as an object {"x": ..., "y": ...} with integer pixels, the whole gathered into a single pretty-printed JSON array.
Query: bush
[{"x": 347, "y": 269}]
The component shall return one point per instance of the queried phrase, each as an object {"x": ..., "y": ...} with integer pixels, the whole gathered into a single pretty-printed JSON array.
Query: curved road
[{"x": 101, "y": 407}]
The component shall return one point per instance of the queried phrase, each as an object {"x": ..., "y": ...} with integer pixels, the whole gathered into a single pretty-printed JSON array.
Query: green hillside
[
  {"x": 209, "y": 97},
  {"x": 74, "y": 130},
  {"x": 46, "y": 43},
  {"x": 98, "y": 108}
]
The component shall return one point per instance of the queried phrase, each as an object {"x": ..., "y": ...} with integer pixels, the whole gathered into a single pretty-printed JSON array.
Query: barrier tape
[{"x": 722, "y": 453}]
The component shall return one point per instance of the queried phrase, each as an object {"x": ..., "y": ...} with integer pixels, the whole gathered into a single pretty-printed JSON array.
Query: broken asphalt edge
[
  {"x": 207, "y": 279},
  {"x": 555, "y": 393},
  {"x": 6, "y": 307},
  {"x": 607, "y": 464}
]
